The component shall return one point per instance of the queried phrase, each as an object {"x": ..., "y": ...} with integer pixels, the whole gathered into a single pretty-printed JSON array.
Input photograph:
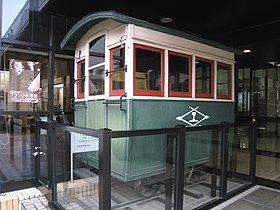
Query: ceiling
[{"x": 241, "y": 24}]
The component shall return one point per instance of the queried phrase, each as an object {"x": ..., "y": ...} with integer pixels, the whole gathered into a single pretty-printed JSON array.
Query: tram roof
[{"x": 81, "y": 27}]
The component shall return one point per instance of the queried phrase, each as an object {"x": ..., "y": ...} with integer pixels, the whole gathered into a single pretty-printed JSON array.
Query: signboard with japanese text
[
  {"x": 83, "y": 143},
  {"x": 24, "y": 81}
]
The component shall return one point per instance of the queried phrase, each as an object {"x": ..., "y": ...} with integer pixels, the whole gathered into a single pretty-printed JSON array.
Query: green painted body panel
[{"x": 136, "y": 158}]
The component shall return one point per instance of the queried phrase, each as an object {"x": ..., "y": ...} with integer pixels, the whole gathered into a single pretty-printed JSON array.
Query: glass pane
[
  {"x": 118, "y": 65},
  {"x": 179, "y": 73},
  {"x": 97, "y": 51},
  {"x": 259, "y": 105},
  {"x": 80, "y": 79},
  {"x": 223, "y": 80},
  {"x": 203, "y": 77},
  {"x": 148, "y": 70},
  {"x": 141, "y": 172},
  {"x": 17, "y": 151},
  {"x": 77, "y": 170},
  {"x": 268, "y": 150},
  {"x": 202, "y": 167},
  {"x": 244, "y": 91},
  {"x": 239, "y": 156},
  {"x": 96, "y": 81}
]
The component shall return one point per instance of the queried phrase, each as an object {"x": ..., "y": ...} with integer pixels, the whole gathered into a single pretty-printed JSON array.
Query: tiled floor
[{"x": 258, "y": 197}]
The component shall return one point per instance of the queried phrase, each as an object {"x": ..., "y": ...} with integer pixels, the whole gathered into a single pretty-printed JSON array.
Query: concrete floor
[{"x": 258, "y": 197}]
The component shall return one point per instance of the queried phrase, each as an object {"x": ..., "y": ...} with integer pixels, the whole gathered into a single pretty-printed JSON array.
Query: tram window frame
[
  {"x": 141, "y": 78},
  {"x": 117, "y": 71},
  {"x": 228, "y": 83},
  {"x": 80, "y": 82},
  {"x": 96, "y": 64},
  {"x": 208, "y": 78},
  {"x": 187, "y": 71}
]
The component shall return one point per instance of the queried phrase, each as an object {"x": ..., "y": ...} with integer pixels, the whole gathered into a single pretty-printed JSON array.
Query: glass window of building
[
  {"x": 96, "y": 66},
  {"x": 148, "y": 77},
  {"x": 179, "y": 75},
  {"x": 223, "y": 81},
  {"x": 117, "y": 75},
  {"x": 204, "y": 76}
]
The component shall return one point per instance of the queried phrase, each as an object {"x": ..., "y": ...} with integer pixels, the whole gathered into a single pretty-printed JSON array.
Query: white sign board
[{"x": 83, "y": 143}]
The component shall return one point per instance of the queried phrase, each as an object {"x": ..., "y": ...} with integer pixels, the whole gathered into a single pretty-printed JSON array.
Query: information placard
[{"x": 83, "y": 143}]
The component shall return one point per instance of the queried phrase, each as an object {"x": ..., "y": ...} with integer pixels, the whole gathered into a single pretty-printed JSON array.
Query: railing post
[
  {"x": 169, "y": 171},
  {"x": 179, "y": 168},
  {"x": 214, "y": 156},
  {"x": 52, "y": 157},
  {"x": 253, "y": 153},
  {"x": 224, "y": 160},
  {"x": 104, "y": 190}
]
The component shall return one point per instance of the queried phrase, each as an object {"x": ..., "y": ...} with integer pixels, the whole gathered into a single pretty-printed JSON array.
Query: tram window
[
  {"x": 97, "y": 51},
  {"x": 179, "y": 75},
  {"x": 223, "y": 81},
  {"x": 80, "y": 81},
  {"x": 117, "y": 75},
  {"x": 96, "y": 66},
  {"x": 148, "y": 77},
  {"x": 96, "y": 81},
  {"x": 204, "y": 78}
]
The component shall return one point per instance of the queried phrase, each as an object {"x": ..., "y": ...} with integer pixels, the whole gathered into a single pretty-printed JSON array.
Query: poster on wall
[{"x": 24, "y": 81}]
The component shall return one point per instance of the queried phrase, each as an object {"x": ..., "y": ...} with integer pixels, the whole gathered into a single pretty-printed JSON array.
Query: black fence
[{"x": 222, "y": 145}]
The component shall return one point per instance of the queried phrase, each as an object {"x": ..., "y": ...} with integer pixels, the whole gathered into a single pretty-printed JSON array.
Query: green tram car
[{"x": 131, "y": 75}]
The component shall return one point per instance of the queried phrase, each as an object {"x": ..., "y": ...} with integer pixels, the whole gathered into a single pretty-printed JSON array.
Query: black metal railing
[{"x": 222, "y": 153}]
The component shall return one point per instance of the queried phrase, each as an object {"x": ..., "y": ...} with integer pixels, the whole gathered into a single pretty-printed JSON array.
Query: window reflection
[
  {"x": 96, "y": 66},
  {"x": 118, "y": 68},
  {"x": 179, "y": 75},
  {"x": 223, "y": 81},
  {"x": 204, "y": 76},
  {"x": 148, "y": 69},
  {"x": 96, "y": 81},
  {"x": 97, "y": 51}
]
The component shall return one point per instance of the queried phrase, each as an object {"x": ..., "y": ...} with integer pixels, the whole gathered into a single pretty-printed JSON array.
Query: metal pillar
[
  {"x": 104, "y": 190},
  {"x": 179, "y": 168},
  {"x": 224, "y": 160}
]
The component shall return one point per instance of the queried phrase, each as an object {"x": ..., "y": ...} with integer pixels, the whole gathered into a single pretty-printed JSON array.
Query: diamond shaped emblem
[{"x": 192, "y": 117}]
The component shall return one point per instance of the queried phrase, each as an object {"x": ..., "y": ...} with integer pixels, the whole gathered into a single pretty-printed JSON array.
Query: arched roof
[{"x": 81, "y": 27}]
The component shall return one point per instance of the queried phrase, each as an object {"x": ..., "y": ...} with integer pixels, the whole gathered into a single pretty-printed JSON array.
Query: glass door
[
  {"x": 268, "y": 141},
  {"x": 21, "y": 74}
]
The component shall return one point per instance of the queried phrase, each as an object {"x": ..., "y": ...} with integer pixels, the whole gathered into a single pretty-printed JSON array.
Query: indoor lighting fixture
[
  {"x": 165, "y": 20},
  {"x": 246, "y": 51}
]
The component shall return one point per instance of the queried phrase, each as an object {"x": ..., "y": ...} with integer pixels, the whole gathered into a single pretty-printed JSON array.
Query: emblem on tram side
[{"x": 192, "y": 117}]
